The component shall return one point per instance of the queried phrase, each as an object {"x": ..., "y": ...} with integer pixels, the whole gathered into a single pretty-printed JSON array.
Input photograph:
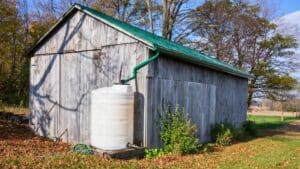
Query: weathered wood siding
[
  {"x": 207, "y": 95},
  {"x": 82, "y": 55},
  {"x": 82, "y": 32},
  {"x": 44, "y": 95}
]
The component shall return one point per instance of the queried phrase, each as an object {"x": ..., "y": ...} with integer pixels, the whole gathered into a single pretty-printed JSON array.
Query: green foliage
[
  {"x": 281, "y": 82},
  {"x": 279, "y": 42},
  {"x": 13, "y": 44},
  {"x": 19, "y": 30},
  {"x": 153, "y": 153},
  {"x": 225, "y": 138},
  {"x": 279, "y": 87},
  {"x": 178, "y": 134},
  {"x": 83, "y": 149},
  {"x": 223, "y": 133},
  {"x": 263, "y": 69},
  {"x": 249, "y": 128}
]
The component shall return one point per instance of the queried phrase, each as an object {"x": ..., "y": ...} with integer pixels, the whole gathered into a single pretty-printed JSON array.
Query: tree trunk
[
  {"x": 166, "y": 19},
  {"x": 251, "y": 91},
  {"x": 149, "y": 6}
]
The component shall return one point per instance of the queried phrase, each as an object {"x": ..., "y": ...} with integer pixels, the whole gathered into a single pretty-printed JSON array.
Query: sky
[
  {"x": 287, "y": 6},
  {"x": 282, "y": 7}
]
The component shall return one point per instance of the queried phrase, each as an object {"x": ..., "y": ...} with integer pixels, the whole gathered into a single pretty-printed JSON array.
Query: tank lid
[{"x": 117, "y": 88}]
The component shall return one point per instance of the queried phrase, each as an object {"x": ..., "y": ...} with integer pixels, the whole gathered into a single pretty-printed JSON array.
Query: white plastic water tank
[{"x": 112, "y": 117}]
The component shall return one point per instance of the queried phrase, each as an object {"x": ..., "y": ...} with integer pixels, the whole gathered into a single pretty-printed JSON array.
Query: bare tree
[
  {"x": 129, "y": 11},
  {"x": 149, "y": 7},
  {"x": 237, "y": 33},
  {"x": 171, "y": 11}
]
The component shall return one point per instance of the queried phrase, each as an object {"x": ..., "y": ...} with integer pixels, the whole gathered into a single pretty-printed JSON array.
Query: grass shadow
[
  {"x": 271, "y": 122},
  {"x": 269, "y": 126}
]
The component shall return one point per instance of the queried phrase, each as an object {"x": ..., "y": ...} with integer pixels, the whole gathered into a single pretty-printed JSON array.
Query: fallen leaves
[{"x": 16, "y": 140}]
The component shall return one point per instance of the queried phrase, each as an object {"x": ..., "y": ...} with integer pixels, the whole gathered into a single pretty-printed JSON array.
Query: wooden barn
[{"x": 86, "y": 50}]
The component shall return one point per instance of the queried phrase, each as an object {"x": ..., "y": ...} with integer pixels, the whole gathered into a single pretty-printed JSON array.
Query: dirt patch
[{"x": 16, "y": 139}]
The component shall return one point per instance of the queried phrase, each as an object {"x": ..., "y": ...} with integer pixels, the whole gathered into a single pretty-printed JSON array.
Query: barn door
[
  {"x": 69, "y": 120},
  {"x": 200, "y": 104},
  {"x": 44, "y": 73},
  {"x": 76, "y": 81}
]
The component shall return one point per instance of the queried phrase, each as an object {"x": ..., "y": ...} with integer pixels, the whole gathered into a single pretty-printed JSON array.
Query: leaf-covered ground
[
  {"x": 17, "y": 140},
  {"x": 276, "y": 148}
]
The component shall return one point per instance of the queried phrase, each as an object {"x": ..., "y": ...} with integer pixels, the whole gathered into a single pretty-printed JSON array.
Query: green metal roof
[{"x": 164, "y": 45}]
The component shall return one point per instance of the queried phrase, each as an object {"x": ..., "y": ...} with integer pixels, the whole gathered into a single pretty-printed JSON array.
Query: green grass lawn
[
  {"x": 270, "y": 122},
  {"x": 267, "y": 151}
]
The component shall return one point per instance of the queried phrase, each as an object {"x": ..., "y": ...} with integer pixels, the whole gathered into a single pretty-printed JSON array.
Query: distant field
[
  {"x": 277, "y": 146},
  {"x": 274, "y": 113}
]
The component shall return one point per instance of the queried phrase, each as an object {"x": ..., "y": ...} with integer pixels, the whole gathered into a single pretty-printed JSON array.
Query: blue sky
[
  {"x": 287, "y": 6},
  {"x": 283, "y": 6}
]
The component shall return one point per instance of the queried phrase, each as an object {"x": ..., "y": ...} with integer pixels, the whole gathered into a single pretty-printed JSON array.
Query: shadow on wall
[
  {"x": 42, "y": 117},
  {"x": 138, "y": 132},
  {"x": 44, "y": 101},
  {"x": 104, "y": 68}
]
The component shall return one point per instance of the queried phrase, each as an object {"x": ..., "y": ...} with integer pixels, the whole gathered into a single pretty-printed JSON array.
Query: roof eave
[
  {"x": 80, "y": 8},
  {"x": 208, "y": 65}
]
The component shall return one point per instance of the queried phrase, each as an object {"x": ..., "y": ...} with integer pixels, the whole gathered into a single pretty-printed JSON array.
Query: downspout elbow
[{"x": 141, "y": 65}]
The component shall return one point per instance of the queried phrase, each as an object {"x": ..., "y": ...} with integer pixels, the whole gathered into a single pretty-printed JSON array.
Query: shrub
[
  {"x": 178, "y": 134},
  {"x": 239, "y": 134},
  {"x": 225, "y": 138},
  {"x": 223, "y": 134},
  {"x": 153, "y": 153},
  {"x": 206, "y": 148},
  {"x": 249, "y": 128}
]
